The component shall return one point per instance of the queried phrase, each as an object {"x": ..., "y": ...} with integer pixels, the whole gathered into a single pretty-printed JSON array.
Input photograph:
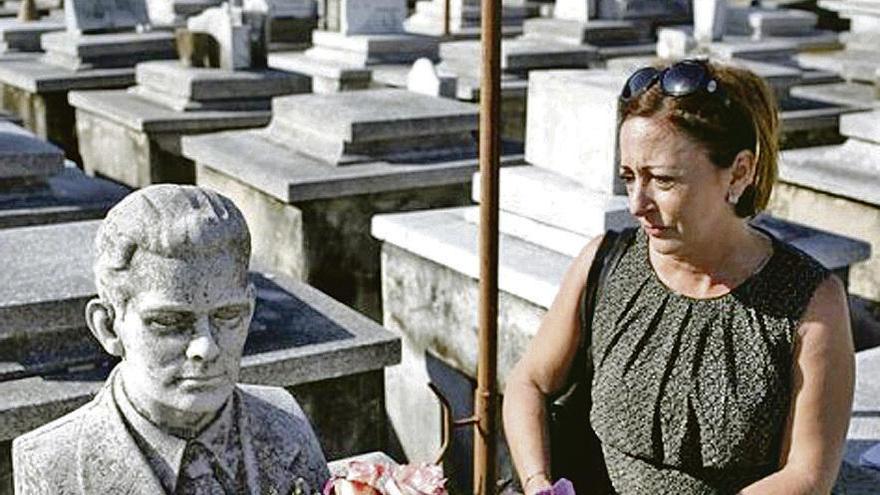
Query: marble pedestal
[
  {"x": 310, "y": 186},
  {"x": 36, "y": 90},
  {"x": 328, "y": 356},
  {"x": 339, "y": 62},
  {"x": 133, "y": 137},
  {"x": 836, "y": 188},
  {"x": 38, "y": 187}
]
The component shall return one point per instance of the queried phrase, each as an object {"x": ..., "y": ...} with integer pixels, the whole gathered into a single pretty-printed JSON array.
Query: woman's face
[{"x": 678, "y": 196}]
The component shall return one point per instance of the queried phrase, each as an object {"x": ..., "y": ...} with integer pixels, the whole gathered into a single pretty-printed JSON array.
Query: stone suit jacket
[{"x": 90, "y": 451}]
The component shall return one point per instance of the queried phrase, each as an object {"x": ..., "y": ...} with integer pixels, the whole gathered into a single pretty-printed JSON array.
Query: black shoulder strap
[{"x": 607, "y": 257}]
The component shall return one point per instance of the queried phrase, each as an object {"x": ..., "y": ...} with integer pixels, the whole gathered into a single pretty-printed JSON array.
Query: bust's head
[{"x": 174, "y": 300}]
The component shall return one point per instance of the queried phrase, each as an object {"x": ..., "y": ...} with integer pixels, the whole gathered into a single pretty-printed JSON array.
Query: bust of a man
[{"x": 174, "y": 303}]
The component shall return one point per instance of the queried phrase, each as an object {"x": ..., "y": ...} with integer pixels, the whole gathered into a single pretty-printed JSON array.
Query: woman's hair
[{"x": 745, "y": 120}]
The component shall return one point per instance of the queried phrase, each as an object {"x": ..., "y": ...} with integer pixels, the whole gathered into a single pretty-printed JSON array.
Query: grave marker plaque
[
  {"x": 86, "y": 16},
  {"x": 372, "y": 16}
]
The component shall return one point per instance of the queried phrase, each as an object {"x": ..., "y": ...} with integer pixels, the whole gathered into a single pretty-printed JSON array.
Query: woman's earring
[{"x": 732, "y": 198}]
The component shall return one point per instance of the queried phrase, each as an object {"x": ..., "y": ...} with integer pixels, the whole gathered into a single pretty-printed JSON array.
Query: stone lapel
[{"x": 107, "y": 457}]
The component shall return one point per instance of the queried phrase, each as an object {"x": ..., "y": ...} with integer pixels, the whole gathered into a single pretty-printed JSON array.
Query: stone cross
[
  {"x": 372, "y": 16},
  {"x": 710, "y": 20},
  {"x": 90, "y": 16}
]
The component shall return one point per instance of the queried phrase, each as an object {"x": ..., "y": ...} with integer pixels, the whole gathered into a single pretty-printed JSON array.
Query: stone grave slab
[
  {"x": 309, "y": 212},
  {"x": 300, "y": 339},
  {"x": 760, "y": 22},
  {"x": 37, "y": 186},
  {"x": 597, "y": 32},
  {"x": 855, "y": 95},
  {"x": 354, "y": 127},
  {"x": 372, "y": 35},
  {"x": 835, "y": 188},
  {"x": 17, "y": 36},
  {"x": 113, "y": 124},
  {"x": 852, "y": 65},
  {"x": 524, "y": 54},
  {"x": 78, "y": 52}
]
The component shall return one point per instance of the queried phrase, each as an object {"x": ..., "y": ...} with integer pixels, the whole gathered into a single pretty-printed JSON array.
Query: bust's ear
[
  {"x": 100, "y": 317},
  {"x": 251, "y": 292}
]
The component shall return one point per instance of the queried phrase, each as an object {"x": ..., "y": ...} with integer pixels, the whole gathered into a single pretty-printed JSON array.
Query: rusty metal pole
[
  {"x": 447, "y": 14},
  {"x": 486, "y": 396},
  {"x": 27, "y": 11}
]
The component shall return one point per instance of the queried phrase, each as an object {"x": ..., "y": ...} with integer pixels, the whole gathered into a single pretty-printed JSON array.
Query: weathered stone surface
[
  {"x": 25, "y": 36},
  {"x": 328, "y": 76},
  {"x": 105, "y": 15},
  {"x": 220, "y": 87},
  {"x": 598, "y": 32},
  {"x": 574, "y": 10},
  {"x": 864, "y": 126},
  {"x": 662, "y": 10},
  {"x": 23, "y": 155},
  {"x": 64, "y": 197},
  {"x": 137, "y": 142},
  {"x": 464, "y": 20},
  {"x": 761, "y": 22},
  {"x": 710, "y": 20},
  {"x": 524, "y": 54},
  {"x": 423, "y": 78},
  {"x": 363, "y": 126},
  {"x": 372, "y": 16},
  {"x": 852, "y": 65},
  {"x": 235, "y": 36},
  {"x": 855, "y": 95},
  {"x": 78, "y": 52},
  {"x": 566, "y": 106}
]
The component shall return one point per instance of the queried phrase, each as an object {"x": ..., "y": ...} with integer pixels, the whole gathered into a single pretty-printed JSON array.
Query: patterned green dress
[{"x": 691, "y": 396}]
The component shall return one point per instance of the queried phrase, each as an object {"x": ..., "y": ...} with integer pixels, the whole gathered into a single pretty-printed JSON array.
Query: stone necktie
[{"x": 200, "y": 474}]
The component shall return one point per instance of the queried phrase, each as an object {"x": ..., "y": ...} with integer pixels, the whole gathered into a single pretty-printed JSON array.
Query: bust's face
[{"x": 183, "y": 332}]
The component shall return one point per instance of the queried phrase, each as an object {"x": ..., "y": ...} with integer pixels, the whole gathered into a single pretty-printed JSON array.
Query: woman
[{"x": 722, "y": 358}]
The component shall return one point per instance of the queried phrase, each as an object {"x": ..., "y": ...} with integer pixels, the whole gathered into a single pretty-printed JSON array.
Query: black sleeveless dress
[{"x": 690, "y": 396}]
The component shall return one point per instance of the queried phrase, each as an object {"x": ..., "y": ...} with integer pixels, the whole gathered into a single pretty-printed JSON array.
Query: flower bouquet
[{"x": 367, "y": 478}]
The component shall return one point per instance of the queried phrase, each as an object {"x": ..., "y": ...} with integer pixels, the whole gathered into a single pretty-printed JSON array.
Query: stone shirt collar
[{"x": 164, "y": 451}]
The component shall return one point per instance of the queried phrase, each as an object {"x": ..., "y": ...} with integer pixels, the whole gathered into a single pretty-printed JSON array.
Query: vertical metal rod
[
  {"x": 447, "y": 14},
  {"x": 27, "y": 11},
  {"x": 486, "y": 396}
]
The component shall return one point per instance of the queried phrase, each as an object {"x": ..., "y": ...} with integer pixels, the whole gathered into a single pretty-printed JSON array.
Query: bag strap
[{"x": 607, "y": 257}]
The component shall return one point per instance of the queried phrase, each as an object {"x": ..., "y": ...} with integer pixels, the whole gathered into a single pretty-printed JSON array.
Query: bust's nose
[{"x": 203, "y": 346}]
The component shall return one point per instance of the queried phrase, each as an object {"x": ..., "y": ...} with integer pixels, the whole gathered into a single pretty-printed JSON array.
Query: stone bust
[{"x": 174, "y": 303}]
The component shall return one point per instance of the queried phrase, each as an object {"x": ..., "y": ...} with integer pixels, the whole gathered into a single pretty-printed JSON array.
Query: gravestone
[
  {"x": 836, "y": 188},
  {"x": 173, "y": 13},
  {"x": 464, "y": 18},
  {"x": 98, "y": 50},
  {"x": 101, "y": 16},
  {"x": 549, "y": 210},
  {"x": 37, "y": 187},
  {"x": 372, "y": 16},
  {"x": 371, "y": 34},
  {"x": 710, "y": 18},
  {"x": 144, "y": 124},
  {"x": 326, "y": 164},
  {"x": 857, "y": 63},
  {"x": 423, "y": 78}
]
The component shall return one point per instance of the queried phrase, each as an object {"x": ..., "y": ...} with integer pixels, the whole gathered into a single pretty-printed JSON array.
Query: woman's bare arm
[
  {"x": 823, "y": 376},
  {"x": 541, "y": 371}
]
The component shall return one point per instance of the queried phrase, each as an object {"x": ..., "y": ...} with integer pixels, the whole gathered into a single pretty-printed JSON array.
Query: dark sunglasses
[{"x": 679, "y": 79}]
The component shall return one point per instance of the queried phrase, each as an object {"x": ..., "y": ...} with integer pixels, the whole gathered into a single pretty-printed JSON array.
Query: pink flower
[{"x": 424, "y": 479}]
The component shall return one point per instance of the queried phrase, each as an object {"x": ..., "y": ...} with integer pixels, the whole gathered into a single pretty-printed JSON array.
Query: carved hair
[
  {"x": 171, "y": 221},
  {"x": 748, "y": 122}
]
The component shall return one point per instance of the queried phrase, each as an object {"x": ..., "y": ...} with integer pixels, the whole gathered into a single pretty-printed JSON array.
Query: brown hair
[{"x": 745, "y": 120}]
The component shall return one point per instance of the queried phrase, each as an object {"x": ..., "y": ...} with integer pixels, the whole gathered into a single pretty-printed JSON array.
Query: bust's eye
[
  {"x": 228, "y": 315},
  {"x": 165, "y": 322}
]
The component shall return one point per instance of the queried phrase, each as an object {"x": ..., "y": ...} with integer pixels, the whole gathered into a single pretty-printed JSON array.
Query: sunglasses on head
[{"x": 679, "y": 79}]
